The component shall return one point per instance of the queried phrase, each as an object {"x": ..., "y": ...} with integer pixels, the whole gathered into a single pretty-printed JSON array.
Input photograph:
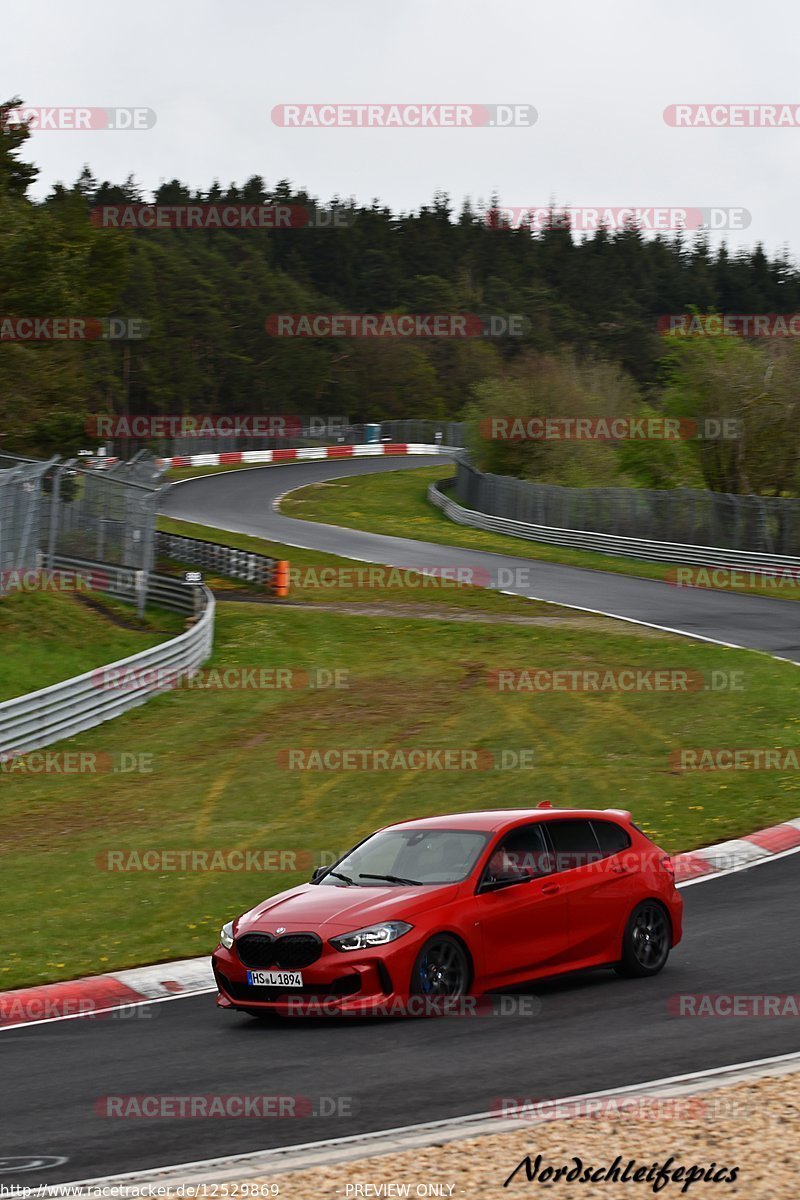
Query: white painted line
[
  {"x": 112, "y": 1008},
  {"x": 387, "y": 1141}
]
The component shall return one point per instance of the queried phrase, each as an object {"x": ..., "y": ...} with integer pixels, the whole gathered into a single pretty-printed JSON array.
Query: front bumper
[{"x": 336, "y": 983}]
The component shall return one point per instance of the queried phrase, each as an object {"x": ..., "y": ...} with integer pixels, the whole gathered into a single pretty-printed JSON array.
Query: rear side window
[
  {"x": 612, "y": 837},
  {"x": 574, "y": 843},
  {"x": 522, "y": 854}
]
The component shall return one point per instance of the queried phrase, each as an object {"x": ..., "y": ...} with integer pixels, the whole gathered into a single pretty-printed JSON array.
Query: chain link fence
[
  {"x": 51, "y": 510},
  {"x": 754, "y": 523},
  {"x": 105, "y": 516},
  {"x": 448, "y": 433},
  {"x": 21, "y": 492}
]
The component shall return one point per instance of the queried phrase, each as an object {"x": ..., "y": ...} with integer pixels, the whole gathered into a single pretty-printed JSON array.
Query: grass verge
[
  {"x": 396, "y": 504},
  {"x": 50, "y": 636},
  {"x": 216, "y": 782}
]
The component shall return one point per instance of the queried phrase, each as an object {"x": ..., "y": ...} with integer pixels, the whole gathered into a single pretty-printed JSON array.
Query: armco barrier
[
  {"x": 64, "y": 709},
  {"x": 218, "y": 559},
  {"x": 581, "y": 539}
]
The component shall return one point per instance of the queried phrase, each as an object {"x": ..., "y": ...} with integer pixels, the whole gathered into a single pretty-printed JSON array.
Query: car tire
[
  {"x": 442, "y": 969},
  {"x": 646, "y": 941}
]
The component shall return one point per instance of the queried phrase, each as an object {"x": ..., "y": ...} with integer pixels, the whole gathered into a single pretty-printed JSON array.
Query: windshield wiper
[
  {"x": 394, "y": 879},
  {"x": 338, "y": 875}
]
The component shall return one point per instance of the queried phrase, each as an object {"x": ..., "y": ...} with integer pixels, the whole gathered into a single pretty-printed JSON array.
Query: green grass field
[
  {"x": 416, "y": 667},
  {"x": 216, "y": 781},
  {"x": 396, "y": 504},
  {"x": 50, "y": 636}
]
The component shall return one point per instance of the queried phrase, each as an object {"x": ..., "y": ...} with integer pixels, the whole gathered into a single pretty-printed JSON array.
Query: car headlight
[
  {"x": 226, "y": 935},
  {"x": 373, "y": 935}
]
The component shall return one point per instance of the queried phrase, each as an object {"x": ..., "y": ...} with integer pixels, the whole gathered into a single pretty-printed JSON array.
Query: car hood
[{"x": 310, "y": 907}]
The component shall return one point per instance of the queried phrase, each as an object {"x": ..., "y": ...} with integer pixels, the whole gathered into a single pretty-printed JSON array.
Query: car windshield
[{"x": 409, "y": 857}]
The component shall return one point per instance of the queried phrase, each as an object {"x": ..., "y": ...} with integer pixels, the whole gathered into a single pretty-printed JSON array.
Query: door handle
[
  {"x": 550, "y": 889},
  {"x": 619, "y": 869}
]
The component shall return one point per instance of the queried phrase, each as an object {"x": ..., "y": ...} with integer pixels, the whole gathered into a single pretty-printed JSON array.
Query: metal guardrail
[
  {"x": 685, "y": 516},
  {"x": 218, "y": 559},
  {"x": 64, "y": 709},
  {"x": 582, "y": 539}
]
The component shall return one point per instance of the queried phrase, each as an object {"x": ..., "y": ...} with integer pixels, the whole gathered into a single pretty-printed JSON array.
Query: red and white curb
[
  {"x": 737, "y": 853},
  {"x": 303, "y": 454},
  {"x": 98, "y": 994}
]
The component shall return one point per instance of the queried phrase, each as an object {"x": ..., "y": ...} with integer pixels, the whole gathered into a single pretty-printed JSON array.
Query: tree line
[{"x": 589, "y": 341}]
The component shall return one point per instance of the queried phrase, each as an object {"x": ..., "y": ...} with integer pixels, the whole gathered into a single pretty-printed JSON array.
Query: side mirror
[
  {"x": 494, "y": 885},
  {"x": 317, "y": 874}
]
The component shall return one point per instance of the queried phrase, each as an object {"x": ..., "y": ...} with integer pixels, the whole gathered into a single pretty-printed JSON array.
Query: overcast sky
[{"x": 598, "y": 74}]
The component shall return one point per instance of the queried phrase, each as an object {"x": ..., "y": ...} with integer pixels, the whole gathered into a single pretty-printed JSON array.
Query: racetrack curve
[
  {"x": 590, "y": 1032},
  {"x": 242, "y": 501}
]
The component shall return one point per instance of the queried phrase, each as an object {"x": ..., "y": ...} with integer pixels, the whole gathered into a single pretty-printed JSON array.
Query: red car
[{"x": 454, "y": 906}]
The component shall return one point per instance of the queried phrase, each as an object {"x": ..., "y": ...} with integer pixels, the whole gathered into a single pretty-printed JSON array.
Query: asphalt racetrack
[
  {"x": 580, "y": 1034},
  {"x": 575, "y": 1035},
  {"x": 242, "y": 501}
]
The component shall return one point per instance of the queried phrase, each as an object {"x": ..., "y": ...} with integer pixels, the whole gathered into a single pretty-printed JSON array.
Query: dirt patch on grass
[
  {"x": 115, "y": 618},
  {"x": 368, "y": 703},
  {"x": 432, "y": 612},
  {"x": 48, "y": 825}
]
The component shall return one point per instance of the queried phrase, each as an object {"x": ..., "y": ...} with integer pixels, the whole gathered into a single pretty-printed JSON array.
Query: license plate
[{"x": 281, "y": 979}]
